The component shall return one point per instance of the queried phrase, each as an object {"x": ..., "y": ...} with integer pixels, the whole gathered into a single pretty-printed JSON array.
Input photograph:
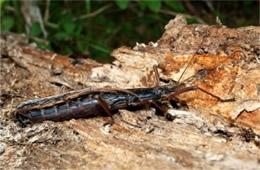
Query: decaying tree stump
[{"x": 209, "y": 134}]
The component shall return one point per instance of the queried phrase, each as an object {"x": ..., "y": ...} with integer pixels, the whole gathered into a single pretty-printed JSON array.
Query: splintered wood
[{"x": 206, "y": 134}]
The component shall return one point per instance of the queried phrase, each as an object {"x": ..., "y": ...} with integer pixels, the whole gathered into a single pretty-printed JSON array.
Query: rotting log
[{"x": 210, "y": 134}]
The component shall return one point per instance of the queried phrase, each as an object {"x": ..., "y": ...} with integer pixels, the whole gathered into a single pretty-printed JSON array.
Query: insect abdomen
[{"x": 77, "y": 108}]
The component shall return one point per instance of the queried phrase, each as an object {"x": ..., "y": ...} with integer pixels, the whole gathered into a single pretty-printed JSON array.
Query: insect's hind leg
[
  {"x": 193, "y": 88},
  {"x": 106, "y": 109}
]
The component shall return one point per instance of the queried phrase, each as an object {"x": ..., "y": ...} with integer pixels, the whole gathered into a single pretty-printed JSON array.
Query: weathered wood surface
[{"x": 210, "y": 134}]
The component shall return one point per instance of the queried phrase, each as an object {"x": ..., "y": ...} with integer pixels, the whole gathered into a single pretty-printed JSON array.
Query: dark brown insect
[{"x": 86, "y": 102}]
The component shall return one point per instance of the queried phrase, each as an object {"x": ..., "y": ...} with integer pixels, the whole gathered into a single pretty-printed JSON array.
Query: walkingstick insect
[{"x": 86, "y": 102}]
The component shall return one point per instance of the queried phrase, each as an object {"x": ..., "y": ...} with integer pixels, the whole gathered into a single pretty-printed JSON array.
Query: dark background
[{"x": 92, "y": 29}]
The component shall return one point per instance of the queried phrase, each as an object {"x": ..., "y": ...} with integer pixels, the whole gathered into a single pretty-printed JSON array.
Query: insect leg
[
  {"x": 158, "y": 107},
  {"x": 193, "y": 88},
  {"x": 175, "y": 100},
  {"x": 167, "y": 115},
  {"x": 106, "y": 108}
]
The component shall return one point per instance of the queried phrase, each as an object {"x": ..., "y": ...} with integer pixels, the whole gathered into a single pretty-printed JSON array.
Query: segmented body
[
  {"x": 88, "y": 102},
  {"x": 85, "y": 103}
]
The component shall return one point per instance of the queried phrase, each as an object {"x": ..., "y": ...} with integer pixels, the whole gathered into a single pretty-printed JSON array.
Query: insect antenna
[
  {"x": 179, "y": 80},
  {"x": 196, "y": 52}
]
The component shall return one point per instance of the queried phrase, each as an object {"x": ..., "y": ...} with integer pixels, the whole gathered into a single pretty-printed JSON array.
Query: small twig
[
  {"x": 46, "y": 16},
  {"x": 164, "y": 11},
  {"x": 46, "y": 13},
  {"x": 92, "y": 14},
  {"x": 113, "y": 34},
  {"x": 37, "y": 39},
  {"x": 11, "y": 9},
  {"x": 32, "y": 14},
  {"x": 51, "y": 25},
  {"x": 210, "y": 6}
]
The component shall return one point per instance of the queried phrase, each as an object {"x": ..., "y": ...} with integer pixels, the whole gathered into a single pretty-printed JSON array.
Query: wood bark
[{"x": 209, "y": 134}]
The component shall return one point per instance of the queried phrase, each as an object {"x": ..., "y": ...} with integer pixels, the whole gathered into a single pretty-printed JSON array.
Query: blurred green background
[{"x": 92, "y": 29}]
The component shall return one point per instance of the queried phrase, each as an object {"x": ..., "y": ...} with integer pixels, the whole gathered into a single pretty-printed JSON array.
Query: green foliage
[
  {"x": 67, "y": 24},
  {"x": 122, "y": 4},
  {"x": 94, "y": 28},
  {"x": 154, "y": 5},
  {"x": 175, "y": 6},
  {"x": 1, "y": 2},
  {"x": 7, "y": 23},
  {"x": 88, "y": 7},
  {"x": 42, "y": 45},
  {"x": 35, "y": 29}
]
